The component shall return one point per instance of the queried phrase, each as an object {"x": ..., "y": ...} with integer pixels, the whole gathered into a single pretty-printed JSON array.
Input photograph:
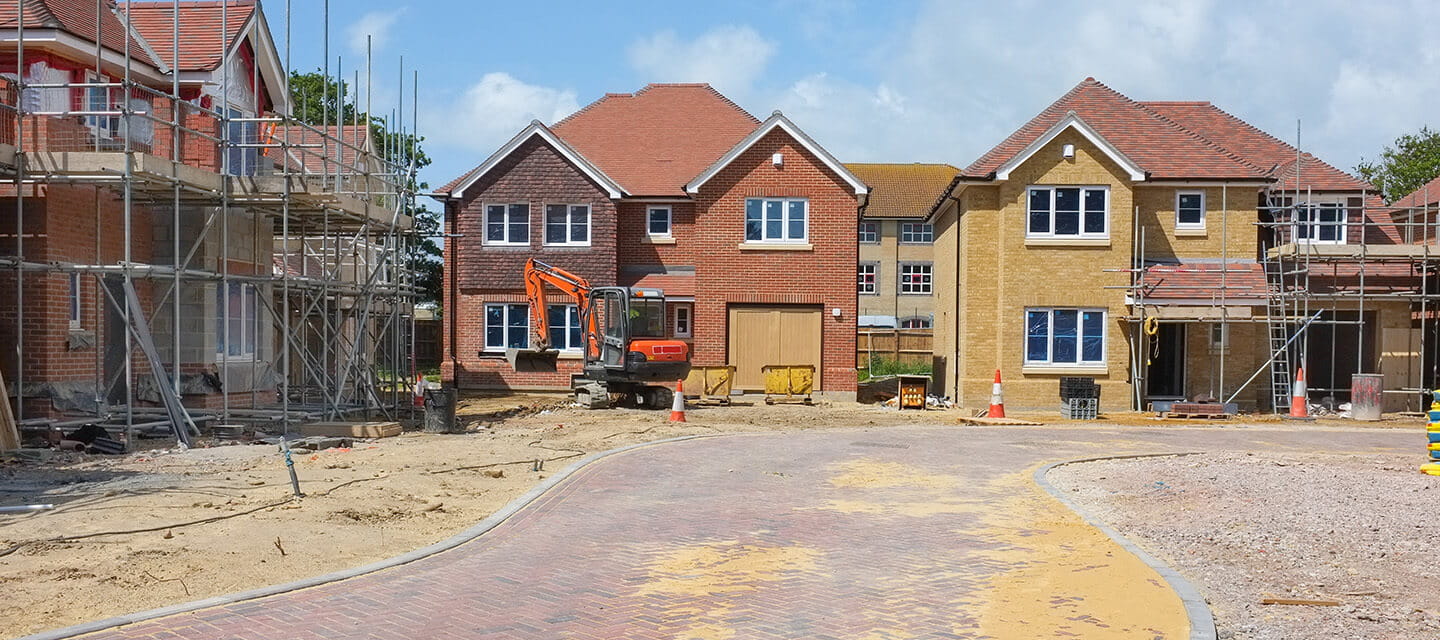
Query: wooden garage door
[{"x": 773, "y": 334}]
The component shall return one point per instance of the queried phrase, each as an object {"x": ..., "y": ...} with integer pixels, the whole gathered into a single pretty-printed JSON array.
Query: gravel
[{"x": 1360, "y": 529}]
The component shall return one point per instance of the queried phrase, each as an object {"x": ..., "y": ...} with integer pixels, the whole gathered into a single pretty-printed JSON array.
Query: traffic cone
[
  {"x": 997, "y": 403},
  {"x": 677, "y": 406},
  {"x": 1299, "y": 406}
]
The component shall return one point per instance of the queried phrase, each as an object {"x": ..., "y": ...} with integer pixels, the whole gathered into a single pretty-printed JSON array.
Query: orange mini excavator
[{"x": 622, "y": 340}]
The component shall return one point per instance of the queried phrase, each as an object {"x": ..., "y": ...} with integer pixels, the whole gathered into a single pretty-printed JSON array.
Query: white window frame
[
  {"x": 1313, "y": 224},
  {"x": 1049, "y": 232},
  {"x": 74, "y": 298},
  {"x": 784, "y": 237},
  {"x": 1080, "y": 360},
  {"x": 570, "y": 222},
  {"x": 1179, "y": 224},
  {"x": 249, "y": 322},
  {"x": 929, "y": 322},
  {"x": 104, "y": 127},
  {"x": 572, "y": 321},
  {"x": 684, "y": 321},
  {"x": 900, "y": 284},
  {"x": 669, "y": 221},
  {"x": 506, "y": 225},
  {"x": 919, "y": 233},
  {"x": 507, "y": 310},
  {"x": 874, "y": 278},
  {"x": 870, "y": 230},
  {"x": 241, "y": 160}
]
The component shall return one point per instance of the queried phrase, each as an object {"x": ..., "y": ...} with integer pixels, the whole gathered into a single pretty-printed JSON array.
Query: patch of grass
[{"x": 882, "y": 367}]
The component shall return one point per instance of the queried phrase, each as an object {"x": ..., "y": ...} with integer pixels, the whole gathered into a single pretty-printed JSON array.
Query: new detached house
[
  {"x": 745, "y": 224},
  {"x": 1170, "y": 251}
]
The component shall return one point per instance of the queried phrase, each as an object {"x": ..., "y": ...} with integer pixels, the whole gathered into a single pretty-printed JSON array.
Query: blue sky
[{"x": 893, "y": 81}]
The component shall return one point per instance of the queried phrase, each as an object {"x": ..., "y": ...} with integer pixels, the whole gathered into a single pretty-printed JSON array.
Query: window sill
[
  {"x": 657, "y": 240},
  {"x": 915, "y": 294},
  {"x": 776, "y": 246},
  {"x": 1031, "y": 369},
  {"x": 564, "y": 245},
  {"x": 507, "y": 245},
  {"x": 1067, "y": 242},
  {"x": 1198, "y": 232}
]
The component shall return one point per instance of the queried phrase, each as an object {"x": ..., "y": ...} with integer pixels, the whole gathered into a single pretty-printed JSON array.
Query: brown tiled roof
[
  {"x": 1256, "y": 146},
  {"x": 1159, "y": 146},
  {"x": 654, "y": 141},
  {"x": 674, "y": 285},
  {"x": 1427, "y": 195},
  {"x": 1201, "y": 281},
  {"x": 903, "y": 190},
  {"x": 201, "y": 43},
  {"x": 78, "y": 18}
]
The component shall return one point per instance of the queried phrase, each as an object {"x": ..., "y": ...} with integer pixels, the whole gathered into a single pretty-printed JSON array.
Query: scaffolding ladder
[{"x": 1276, "y": 317}]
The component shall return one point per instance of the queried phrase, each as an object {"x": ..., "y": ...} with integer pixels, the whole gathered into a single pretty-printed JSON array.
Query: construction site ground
[{"x": 380, "y": 498}]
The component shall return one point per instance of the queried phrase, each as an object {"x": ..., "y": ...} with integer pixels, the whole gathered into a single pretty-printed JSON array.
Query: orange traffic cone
[
  {"x": 677, "y": 407},
  {"x": 997, "y": 403},
  {"x": 1299, "y": 406}
]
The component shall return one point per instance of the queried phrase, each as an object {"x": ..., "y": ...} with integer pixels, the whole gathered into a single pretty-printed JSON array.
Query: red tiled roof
[
  {"x": 1427, "y": 195},
  {"x": 321, "y": 158},
  {"x": 201, "y": 43},
  {"x": 903, "y": 190},
  {"x": 654, "y": 141},
  {"x": 1159, "y": 146},
  {"x": 1256, "y": 146},
  {"x": 78, "y": 18},
  {"x": 674, "y": 285},
  {"x": 1201, "y": 281}
]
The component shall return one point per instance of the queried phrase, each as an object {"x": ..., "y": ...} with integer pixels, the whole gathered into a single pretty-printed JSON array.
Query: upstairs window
[
  {"x": 778, "y": 220},
  {"x": 74, "y": 300},
  {"x": 917, "y": 233},
  {"x": 657, "y": 222},
  {"x": 869, "y": 233},
  {"x": 565, "y": 332},
  {"x": 507, "y": 224},
  {"x": 507, "y": 326},
  {"x": 1320, "y": 223},
  {"x": 1190, "y": 210},
  {"x": 242, "y": 160},
  {"x": 98, "y": 99},
  {"x": 869, "y": 273},
  {"x": 567, "y": 224},
  {"x": 1068, "y": 212},
  {"x": 1064, "y": 337},
  {"x": 915, "y": 278}
]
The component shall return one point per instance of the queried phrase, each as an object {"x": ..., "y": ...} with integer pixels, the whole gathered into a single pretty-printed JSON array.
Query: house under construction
[{"x": 176, "y": 248}]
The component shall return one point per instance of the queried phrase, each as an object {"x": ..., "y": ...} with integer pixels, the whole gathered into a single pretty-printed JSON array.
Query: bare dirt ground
[
  {"x": 372, "y": 501},
  {"x": 1358, "y": 529}
]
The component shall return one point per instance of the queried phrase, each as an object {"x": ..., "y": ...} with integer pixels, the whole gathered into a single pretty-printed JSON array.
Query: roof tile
[
  {"x": 903, "y": 190},
  {"x": 201, "y": 23},
  {"x": 78, "y": 18}
]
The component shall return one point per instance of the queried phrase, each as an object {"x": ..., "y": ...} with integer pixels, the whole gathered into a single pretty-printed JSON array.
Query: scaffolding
[
  {"x": 1327, "y": 260},
  {"x": 299, "y": 237}
]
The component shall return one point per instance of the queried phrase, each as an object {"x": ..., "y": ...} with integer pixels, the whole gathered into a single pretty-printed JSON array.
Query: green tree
[
  {"x": 316, "y": 100},
  {"x": 1404, "y": 166}
]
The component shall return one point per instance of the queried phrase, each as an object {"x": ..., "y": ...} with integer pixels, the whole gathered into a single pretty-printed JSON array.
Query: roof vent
[{"x": 1068, "y": 151}]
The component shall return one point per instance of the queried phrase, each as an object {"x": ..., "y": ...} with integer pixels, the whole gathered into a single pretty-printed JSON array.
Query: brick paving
[{"x": 841, "y": 534}]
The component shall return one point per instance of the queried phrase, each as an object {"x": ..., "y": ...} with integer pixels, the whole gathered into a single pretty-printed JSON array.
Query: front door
[{"x": 1167, "y": 362}]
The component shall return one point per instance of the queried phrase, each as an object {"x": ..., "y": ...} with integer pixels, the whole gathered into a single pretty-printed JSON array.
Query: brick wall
[
  {"x": 726, "y": 273},
  {"x": 536, "y": 174}
]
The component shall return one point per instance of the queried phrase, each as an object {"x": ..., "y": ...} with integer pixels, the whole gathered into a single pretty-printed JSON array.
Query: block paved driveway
[{"x": 864, "y": 534}]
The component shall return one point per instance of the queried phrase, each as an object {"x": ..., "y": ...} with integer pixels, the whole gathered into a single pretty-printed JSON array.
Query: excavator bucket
[{"x": 530, "y": 360}]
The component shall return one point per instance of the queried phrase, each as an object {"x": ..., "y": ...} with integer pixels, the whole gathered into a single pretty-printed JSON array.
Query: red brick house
[{"x": 748, "y": 227}]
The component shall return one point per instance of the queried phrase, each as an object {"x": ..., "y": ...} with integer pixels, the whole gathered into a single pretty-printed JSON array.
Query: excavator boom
[{"x": 538, "y": 275}]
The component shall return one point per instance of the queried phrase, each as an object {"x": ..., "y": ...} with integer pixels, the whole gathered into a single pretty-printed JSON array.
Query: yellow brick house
[{"x": 1127, "y": 242}]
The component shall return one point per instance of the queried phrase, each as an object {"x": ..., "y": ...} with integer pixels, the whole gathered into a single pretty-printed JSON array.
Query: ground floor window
[
  {"x": 75, "y": 301},
  {"x": 565, "y": 333},
  {"x": 915, "y": 322},
  {"x": 236, "y": 327},
  {"x": 507, "y": 326},
  {"x": 1064, "y": 337},
  {"x": 683, "y": 320}
]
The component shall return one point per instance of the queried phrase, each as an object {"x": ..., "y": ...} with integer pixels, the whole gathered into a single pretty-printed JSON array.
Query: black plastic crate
[{"x": 1078, "y": 387}]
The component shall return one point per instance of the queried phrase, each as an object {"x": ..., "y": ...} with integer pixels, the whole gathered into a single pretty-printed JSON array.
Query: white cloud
[
  {"x": 493, "y": 110},
  {"x": 376, "y": 25},
  {"x": 729, "y": 58}
]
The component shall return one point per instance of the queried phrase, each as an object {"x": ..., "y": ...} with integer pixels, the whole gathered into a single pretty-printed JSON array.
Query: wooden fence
[
  {"x": 910, "y": 346},
  {"x": 427, "y": 344}
]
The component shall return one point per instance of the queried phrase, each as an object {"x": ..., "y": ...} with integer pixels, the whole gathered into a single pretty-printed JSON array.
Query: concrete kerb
[
  {"x": 484, "y": 526},
  {"x": 1202, "y": 622}
]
